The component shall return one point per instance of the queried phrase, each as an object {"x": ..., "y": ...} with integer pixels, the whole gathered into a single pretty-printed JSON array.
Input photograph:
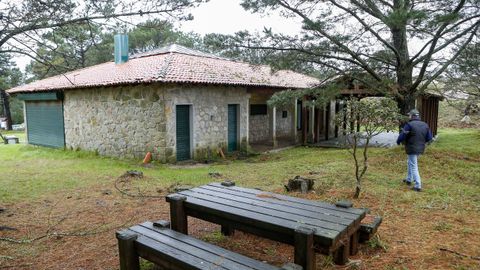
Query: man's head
[{"x": 414, "y": 114}]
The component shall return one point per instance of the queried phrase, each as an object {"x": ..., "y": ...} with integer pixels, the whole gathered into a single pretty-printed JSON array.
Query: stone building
[{"x": 174, "y": 102}]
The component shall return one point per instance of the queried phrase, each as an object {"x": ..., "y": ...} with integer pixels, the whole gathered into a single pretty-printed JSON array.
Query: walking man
[{"x": 415, "y": 134}]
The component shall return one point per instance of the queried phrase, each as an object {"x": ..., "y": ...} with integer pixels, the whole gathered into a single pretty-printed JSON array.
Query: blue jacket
[{"x": 415, "y": 134}]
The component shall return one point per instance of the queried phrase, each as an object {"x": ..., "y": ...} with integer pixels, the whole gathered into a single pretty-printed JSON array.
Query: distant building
[{"x": 175, "y": 102}]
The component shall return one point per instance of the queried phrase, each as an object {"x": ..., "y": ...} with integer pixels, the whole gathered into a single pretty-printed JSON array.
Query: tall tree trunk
[
  {"x": 6, "y": 108},
  {"x": 406, "y": 97},
  {"x": 406, "y": 102}
]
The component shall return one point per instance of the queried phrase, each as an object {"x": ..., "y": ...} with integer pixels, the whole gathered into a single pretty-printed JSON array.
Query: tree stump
[{"x": 300, "y": 184}]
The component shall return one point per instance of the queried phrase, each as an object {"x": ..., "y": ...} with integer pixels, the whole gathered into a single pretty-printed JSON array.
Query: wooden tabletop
[{"x": 276, "y": 216}]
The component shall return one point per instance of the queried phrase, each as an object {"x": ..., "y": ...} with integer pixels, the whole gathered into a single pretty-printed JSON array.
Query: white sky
[
  {"x": 224, "y": 17},
  {"x": 228, "y": 17}
]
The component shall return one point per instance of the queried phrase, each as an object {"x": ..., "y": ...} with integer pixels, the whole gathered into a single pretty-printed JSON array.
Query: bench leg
[
  {"x": 178, "y": 217},
  {"x": 128, "y": 257},
  {"x": 354, "y": 243},
  {"x": 227, "y": 230},
  {"x": 304, "y": 248},
  {"x": 340, "y": 255}
]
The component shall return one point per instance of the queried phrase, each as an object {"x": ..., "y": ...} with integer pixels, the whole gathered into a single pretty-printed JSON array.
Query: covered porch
[{"x": 270, "y": 127}]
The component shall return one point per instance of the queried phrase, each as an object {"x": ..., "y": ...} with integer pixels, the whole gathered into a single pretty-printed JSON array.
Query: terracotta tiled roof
[{"x": 172, "y": 64}]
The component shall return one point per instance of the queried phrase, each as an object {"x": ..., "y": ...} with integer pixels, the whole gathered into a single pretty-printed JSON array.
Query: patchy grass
[
  {"x": 451, "y": 113},
  {"x": 69, "y": 198}
]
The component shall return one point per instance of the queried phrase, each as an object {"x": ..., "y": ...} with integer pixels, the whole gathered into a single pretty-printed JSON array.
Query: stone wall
[
  {"x": 284, "y": 125},
  {"x": 117, "y": 121},
  {"x": 259, "y": 125},
  {"x": 129, "y": 121},
  {"x": 210, "y": 111},
  {"x": 259, "y": 128}
]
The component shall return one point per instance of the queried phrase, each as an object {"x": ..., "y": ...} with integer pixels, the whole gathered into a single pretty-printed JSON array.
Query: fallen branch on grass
[
  {"x": 16, "y": 266},
  {"x": 6, "y": 257},
  {"x": 460, "y": 254},
  {"x": 52, "y": 234},
  {"x": 6, "y": 228},
  {"x": 21, "y": 241},
  {"x": 125, "y": 178}
]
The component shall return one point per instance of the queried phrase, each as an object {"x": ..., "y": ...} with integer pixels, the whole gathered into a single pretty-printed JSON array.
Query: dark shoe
[
  {"x": 407, "y": 182},
  {"x": 416, "y": 189}
]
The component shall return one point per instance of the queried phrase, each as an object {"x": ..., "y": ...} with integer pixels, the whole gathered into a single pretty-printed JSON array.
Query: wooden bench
[
  {"x": 172, "y": 250},
  {"x": 369, "y": 227},
  {"x": 9, "y": 139}
]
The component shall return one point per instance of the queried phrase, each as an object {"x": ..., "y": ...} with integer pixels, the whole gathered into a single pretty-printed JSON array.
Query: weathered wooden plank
[
  {"x": 203, "y": 254},
  {"x": 284, "y": 235},
  {"x": 276, "y": 199},
  {"x": 252, "y": 207},
  {"x": 170, "y": 257},
  {"x": 366, "y": 231},
  {"x": 254, "y": 264},
  {"x": 298, "y": 208},
  {"x": 274, "y": 224},
  {"x": 236, "y": 206},
  {"x": 294, "y": 200},
  {"x": 283, "y": 207}
]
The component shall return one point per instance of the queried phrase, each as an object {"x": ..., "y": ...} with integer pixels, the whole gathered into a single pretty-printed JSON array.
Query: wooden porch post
[
  {"x": 327, "y": 121},
  {"x": 312, "y": 124},
  {"x": 304, "y": 122},
  {"x": 294, "y": 120},
  {"x": 274, "y": 126},
  {"x": 337, "y": 109},
  {"x": 321, "y": 122},
  {"x": 247, "y": 128},
  {"x": 344, "y": 126},
  {"x": 352, "y": 122}
]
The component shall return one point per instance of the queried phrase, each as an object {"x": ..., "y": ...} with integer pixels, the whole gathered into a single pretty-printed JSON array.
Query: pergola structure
[
  {"x": 317, "y": 123},
  {"x": 311, "y": 124}
]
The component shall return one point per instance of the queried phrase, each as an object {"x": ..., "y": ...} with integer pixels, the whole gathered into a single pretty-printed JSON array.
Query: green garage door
[
  {"x": 232, "y": 128},
  {"x": 45, "y": 123},
  {"x": 183, "y": 132}
]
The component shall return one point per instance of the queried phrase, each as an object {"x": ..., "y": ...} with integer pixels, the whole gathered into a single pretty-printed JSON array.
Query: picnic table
[{"x": 310, "y": 226}]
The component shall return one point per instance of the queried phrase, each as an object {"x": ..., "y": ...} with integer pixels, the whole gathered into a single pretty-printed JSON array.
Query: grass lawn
[{"x": 65, "y": 208}]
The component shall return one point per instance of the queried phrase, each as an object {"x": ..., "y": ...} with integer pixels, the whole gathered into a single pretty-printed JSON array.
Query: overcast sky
[
  {"x": 225, "y": 17},
  {"x": 228, "y": 17}
]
